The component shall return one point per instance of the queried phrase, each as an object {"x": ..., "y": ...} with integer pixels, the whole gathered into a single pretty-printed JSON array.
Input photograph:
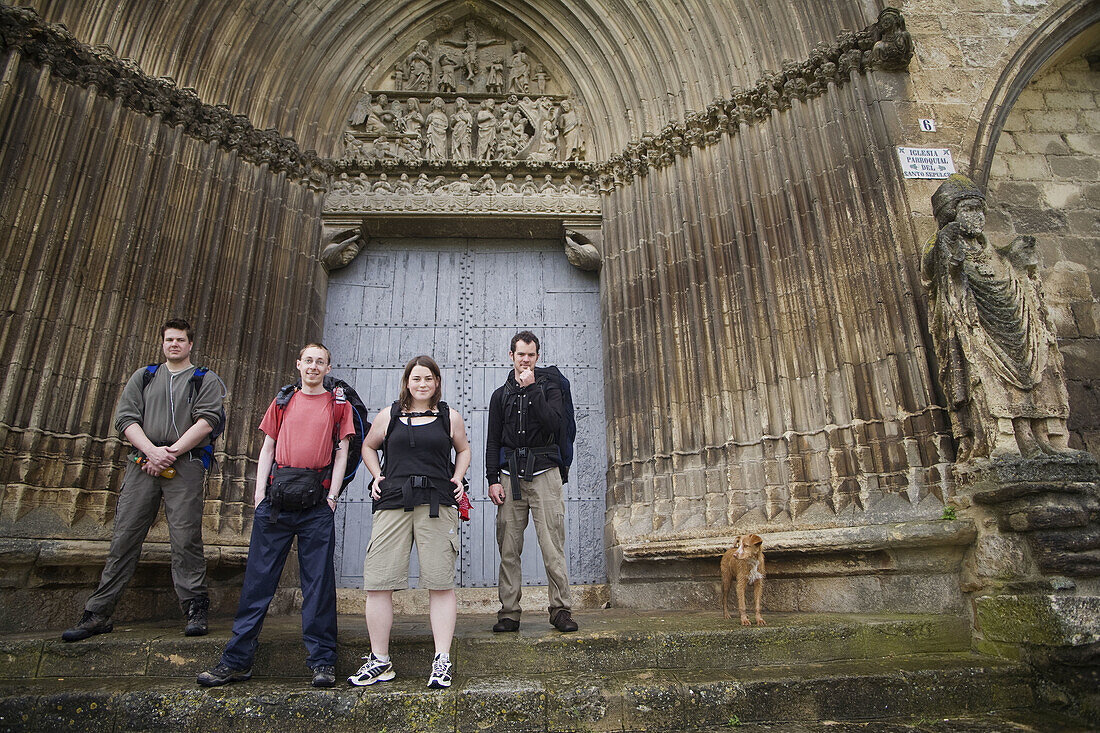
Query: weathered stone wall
[
  {"x": 113, "y": 222},
  {"x": 1044, "y": 182}
]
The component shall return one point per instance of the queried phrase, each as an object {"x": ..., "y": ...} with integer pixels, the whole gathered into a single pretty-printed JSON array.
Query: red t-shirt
[{"x": 305, "y": 437}]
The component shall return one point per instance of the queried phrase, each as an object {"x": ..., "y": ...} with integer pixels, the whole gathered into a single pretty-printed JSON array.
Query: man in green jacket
[{"x": 167, "y": 412}]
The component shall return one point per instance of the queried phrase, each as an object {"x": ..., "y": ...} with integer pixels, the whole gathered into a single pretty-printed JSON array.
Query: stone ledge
[
  {"x": 67, "y": 553},
  {"x": 959, "y": 532}
]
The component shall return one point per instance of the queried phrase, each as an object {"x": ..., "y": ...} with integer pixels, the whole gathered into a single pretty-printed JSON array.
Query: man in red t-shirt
[{"x": 306, "y": 436}]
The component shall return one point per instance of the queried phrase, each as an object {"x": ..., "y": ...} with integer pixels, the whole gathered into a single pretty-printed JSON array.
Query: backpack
[
  {"x": 567, "y": 428},
  {"x": 444, "y": 415},
  {"x": 343, "y": 393},
  {"x": 206, "y": 453}
]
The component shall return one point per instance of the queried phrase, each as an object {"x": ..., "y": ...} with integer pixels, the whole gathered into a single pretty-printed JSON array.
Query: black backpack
[
  {"x": 567, "y": 428},
  {"x": 342, "y": 392},
  {"x": 206, "y": 454},
  {"x": 444, "y": 415}
]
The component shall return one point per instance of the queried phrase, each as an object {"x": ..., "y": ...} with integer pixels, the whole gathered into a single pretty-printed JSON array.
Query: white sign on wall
[{"x": 926, "y": 162}]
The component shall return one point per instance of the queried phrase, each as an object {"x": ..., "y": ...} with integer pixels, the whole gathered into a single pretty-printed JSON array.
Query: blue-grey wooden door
[{"x": 460, "y": 301}]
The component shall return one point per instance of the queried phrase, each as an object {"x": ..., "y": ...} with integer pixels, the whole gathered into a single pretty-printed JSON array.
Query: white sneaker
[
  {"x": 441, "y": 673},
  {"x": 375, "y": 670}
]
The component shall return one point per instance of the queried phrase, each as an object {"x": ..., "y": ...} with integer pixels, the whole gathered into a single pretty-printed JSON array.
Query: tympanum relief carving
[{"x": 466, "y": 93}]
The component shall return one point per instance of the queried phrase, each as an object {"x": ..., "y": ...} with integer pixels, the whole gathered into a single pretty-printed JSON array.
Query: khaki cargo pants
[{"x": 542, "y": 499}]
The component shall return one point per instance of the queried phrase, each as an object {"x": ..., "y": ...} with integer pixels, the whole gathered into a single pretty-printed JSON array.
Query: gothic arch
[
  {"x": 296, "y": 66},
  {"x": 1050, "y": 35}
]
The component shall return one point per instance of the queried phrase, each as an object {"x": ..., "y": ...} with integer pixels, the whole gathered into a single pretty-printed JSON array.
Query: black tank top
[{"x": 417, "y": 450}]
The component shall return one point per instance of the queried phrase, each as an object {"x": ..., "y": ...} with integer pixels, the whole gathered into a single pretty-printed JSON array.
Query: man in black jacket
[{"x": 521, "y": 444}]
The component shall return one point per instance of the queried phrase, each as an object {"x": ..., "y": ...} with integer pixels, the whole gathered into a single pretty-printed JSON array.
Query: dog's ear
[{"x": 754, "y": 539}]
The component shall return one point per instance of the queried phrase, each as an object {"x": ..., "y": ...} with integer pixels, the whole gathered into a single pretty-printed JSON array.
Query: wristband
[{"x": 331, "y": 497}]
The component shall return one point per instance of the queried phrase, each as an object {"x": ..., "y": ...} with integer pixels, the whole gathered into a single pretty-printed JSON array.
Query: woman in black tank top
[{"x": 415, "y": 496}]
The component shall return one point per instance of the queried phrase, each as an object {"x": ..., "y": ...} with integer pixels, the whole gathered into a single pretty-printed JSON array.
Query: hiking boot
[
  {"x": 223, "y": 674},
  {"x": 196, "y": 616},
  {"x": 441, "y": 673},
  {"x": 562, "y": 620},
  {"x": 90, "y": 624},
  {"x": 506, "y": 624},
  {"x": 324, "y": 675},
  {"x": 375, "y": 670}
]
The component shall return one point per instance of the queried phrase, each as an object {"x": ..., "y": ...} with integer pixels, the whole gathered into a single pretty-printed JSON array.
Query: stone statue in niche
[
  {"x": 462, "y": 124},
  {"x": 999, "y": 362},
  {"x": 436, "y": 147},
  {"x": 486, "y": 130},
  {"x": 893, "y": 47},
  {"x": 399, "y": 78},
  {"x": 340, "y": 253},
  {"x": 418, "y": 68},
  {"x": 494, "y": 76},
  {"x": 569, "y": 125},
  {"x": 447, "y": 78},
  {"x": 470, "y": 45},
  {"x": 519, "y": 72}
]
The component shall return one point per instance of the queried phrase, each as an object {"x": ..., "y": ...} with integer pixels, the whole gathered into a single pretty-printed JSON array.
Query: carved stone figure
[
  {"x": 340, "y": 254},
  {"x": 494, "y": 77},
  {"x": 436, "y": 148},
  {"x": 999, "y": 362},
  {"x": 421, "y": 185},
  {"x": 360, "y": 111},
  {"x": 569, "y": 124},
  {"x": 486, "y": 130},
  {"x": 587, "y": 186},
  {"x": 418, "y": 67},
  {"x": 506, "y": 138},
  {"x": 414, "y": 128},
  {"x": 547, "y": 147},
  {"x": 893, "y": 47},
  {"x": 528, "y": 185},
  {"x": 399, "y": 78},
  {"x": 547, "y": 186},
  {"x": 509, "y": 185},
  {"x": 462, "y": 124},
  {"x": 462, "y": 186},
  {"x": 447, "y": 77},
  {"x": 567, "y": 185},
  {"x": 469, "y": 46},
  {"x": 382, "y": 185},
  {"x": 519, "y": 72},
  {"x": 486, "y": 184},
  {"x": 541, "y": 77},
  {"x": 403, "y": 185}
]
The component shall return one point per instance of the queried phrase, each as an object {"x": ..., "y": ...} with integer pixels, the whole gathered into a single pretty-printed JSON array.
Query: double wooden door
[{"x": 460, "y": 300}]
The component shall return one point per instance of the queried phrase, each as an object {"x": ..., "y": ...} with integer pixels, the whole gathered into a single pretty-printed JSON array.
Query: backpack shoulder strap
[
  {"x": 147, "y": 375},
  {"x": 445, "y": 416}
]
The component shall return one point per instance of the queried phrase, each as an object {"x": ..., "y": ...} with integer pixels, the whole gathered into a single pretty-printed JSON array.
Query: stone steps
[
  {"x": 609, "y": 641},
  {"x": 623, "y": 671},
  {"x": 921, "y": 686}
]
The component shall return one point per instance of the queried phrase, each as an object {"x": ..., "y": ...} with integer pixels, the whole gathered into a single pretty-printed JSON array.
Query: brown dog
[{"x": 745, "y": 561}]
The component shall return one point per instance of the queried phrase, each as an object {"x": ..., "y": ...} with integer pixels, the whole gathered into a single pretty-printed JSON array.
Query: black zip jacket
[{"x": 522, "y": 418}]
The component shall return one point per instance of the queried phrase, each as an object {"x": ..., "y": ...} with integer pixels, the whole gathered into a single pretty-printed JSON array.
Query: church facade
[{"x": 701, "y": 207}]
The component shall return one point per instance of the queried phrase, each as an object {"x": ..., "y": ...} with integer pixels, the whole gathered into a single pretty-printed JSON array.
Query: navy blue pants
[{"x": 267, "y": 553}]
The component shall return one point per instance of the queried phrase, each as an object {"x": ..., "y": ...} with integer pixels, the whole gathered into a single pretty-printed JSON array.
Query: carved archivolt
[
  {"x": 53, "y": 46},
  {"x": 884, "y": 45}
]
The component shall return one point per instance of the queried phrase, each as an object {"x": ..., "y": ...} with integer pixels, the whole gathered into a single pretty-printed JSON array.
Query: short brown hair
[
  {"x": 424, "y": 361},
  {"x": 526, "y": 337},
  {"x": 180, "y": 325},
  {"x": 316, "y": 345}
]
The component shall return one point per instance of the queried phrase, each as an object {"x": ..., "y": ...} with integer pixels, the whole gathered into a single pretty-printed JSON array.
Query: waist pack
[{"x": 296, "y": 489}]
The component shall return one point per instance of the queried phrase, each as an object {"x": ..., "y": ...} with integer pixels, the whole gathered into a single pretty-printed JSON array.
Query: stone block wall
[{"x": 1045, "y": 181}]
